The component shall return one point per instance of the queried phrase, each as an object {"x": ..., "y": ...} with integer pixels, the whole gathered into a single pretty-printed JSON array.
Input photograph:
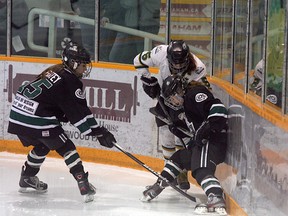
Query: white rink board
[{"x": 116, "y": 98}]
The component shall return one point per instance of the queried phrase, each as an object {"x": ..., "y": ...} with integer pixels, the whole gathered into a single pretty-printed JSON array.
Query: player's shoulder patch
[
  {"x": 200, "y": 97},
  {"x": 80, "y": 94}
]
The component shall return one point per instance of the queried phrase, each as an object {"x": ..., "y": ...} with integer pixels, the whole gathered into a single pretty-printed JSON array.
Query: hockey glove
[
  {"x": 202, "y": 133},
  {"x": 151, "y": 86},
  {"x": 105, "y": 137},
  {"x": 178, "y": 133}
]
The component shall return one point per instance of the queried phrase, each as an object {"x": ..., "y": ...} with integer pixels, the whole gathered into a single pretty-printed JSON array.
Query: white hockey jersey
[{"x": 157, "y": 57}]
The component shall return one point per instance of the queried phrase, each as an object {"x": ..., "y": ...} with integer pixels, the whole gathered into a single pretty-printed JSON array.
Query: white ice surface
[{"x": 118, "y": 192}]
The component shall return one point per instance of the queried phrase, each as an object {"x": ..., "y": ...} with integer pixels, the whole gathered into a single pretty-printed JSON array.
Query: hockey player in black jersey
[
  {"x": 206, "y": 117},
  {"x": 38, "y": 108}
]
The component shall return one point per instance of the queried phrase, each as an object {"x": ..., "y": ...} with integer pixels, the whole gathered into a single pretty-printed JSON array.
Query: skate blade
[
  {"x": 145, "y": 198},
  {"x": 202, "y": 210},
  {"x": 184, "y": 190},
  {"x": 221, "y": 211},
  {"x": 31, "y": 190},
  {"x": 88, "y": 198}
]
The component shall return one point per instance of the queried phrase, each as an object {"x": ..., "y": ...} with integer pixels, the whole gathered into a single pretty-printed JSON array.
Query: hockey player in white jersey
[{"x": 174, "y": 58}]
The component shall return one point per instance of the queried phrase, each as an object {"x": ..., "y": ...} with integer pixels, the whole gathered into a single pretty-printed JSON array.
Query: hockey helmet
[
  {"x": 178, "y": 56},
  {"x": 172, "y": 92},
  {"x": 73, "y": 56}
]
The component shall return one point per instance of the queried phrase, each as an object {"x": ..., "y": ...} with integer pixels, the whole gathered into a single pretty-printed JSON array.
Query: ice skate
[
  {"x": 182, "y": 180},
  {"x": 214, "y": 206},
  {"x": 152, "y": 191},
  {"x": 87, "y": 190},
  {"x": 31, "y": 184}
]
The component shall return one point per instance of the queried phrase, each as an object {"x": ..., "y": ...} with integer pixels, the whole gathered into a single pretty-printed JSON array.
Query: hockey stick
[
  {"x": 166, "y": 121},
  {"x": 169, "y": 118},
  {"x": 155, "y": 173}
]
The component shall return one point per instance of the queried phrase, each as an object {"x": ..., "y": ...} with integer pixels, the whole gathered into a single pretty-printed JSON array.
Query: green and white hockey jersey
[{"x": 40, "y": 106}]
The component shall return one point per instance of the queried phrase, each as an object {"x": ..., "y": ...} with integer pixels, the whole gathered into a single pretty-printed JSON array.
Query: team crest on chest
[
  {"x": 80, "y": 94},
  {"x": 200, "y": 97}
]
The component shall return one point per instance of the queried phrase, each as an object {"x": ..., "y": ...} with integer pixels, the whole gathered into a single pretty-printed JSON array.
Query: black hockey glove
[
  {"x": 174, "y": 130},
  {"x": 202, "y": 134},
  {"x": 105, "y": 137},
  {"x": 151, "y": 86}
]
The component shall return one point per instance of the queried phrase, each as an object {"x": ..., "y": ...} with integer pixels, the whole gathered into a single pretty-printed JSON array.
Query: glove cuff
[
  {"x": 99, "y": 131},
  {"x": 149, "y": 81}
]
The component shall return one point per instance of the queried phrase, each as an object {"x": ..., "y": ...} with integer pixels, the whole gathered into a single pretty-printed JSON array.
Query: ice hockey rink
[{"x": 118, "y": 192}]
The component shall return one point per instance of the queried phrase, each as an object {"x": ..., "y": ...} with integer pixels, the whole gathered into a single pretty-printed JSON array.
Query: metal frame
[
  {"x": 264, "y": 87},
  {"x": 97, "y": 20},
  {"x": 285, "y": 65},
  {"x": 248, "y": 45},
  {"x": 9, "y": 29},
  {"x": 168, "y": 21},
  {"x": 233, "y": 41},
  {"x": 213, "y": 35}
]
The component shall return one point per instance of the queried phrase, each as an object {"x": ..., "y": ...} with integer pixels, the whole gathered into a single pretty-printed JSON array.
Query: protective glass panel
[
  {"x": 191, "y": 22},
  {"x": 223, "y": 40},
  {"x": 240, "y": 46},
  {"x": 124, "y": 27},
  {"x": 275, "y": 52},
  {"x": 37, "y": 30},
  {"x": 86, "y": 9},
  {"x": 257, "y": 44},
  {"x": 3, "y": 26}
]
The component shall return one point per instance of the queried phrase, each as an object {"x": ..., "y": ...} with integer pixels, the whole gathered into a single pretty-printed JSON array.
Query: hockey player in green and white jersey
[
  {"x": 38, "y": 108},
  {"x": 206, "y": 117}
]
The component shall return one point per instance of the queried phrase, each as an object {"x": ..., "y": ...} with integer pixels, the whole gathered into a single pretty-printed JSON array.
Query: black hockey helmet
[
  {"x": 73, "y": 55},
  {"x": 178, "y": 56},
  {"x": 172, "y": 92}
]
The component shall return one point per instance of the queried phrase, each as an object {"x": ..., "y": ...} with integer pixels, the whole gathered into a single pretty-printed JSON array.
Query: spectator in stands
[
  {"x": 143, "y": 15},
  {"x": 110, "y": 11}
]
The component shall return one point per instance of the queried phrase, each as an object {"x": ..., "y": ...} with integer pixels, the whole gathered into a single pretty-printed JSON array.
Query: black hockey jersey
[
  {"x": 200, "y": 105},
  {"x": 39, "y": 106}
]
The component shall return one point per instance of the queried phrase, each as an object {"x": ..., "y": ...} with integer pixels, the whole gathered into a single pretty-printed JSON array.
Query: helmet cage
[
  {"x": 174, "y": 102},
  {"x": 74, "y": 55},
  {"x": 178, "y": 57},
  {"x": 178, "y": 68},
  {"x": 172, "y": 92}
]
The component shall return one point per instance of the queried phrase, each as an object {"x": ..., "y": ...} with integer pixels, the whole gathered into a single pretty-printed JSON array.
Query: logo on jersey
[
  {"x": 80, "y": 94},
  {"x": 158, "y": 49},
  {"x": 45, "y": 134},
  {"x": 200, "y": 97}
]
